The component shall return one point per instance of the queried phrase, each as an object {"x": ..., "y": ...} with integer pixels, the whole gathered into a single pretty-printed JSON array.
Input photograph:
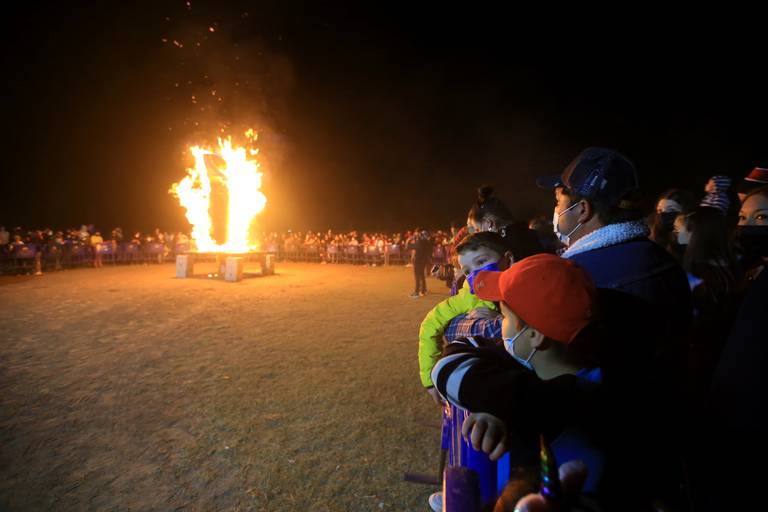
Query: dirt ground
[{"x": 127, "y": 389}]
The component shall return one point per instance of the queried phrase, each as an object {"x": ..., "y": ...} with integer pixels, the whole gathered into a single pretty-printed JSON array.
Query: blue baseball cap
[{"x": 598, "y": 174}]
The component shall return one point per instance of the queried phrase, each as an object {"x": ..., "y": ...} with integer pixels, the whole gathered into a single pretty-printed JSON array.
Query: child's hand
[
  {"x": 487, "y": 433},
  {"x": 710, "y": 187}
]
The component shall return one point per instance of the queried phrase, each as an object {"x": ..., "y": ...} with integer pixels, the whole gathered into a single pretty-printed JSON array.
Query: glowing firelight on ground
[{"x": 237, "y": 169}]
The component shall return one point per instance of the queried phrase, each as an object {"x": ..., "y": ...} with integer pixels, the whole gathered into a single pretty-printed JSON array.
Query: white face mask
[
  {"x": 683, "y": 237},
  {"x": 565, "y": 239},
  {"x": 509, "y": 344}
]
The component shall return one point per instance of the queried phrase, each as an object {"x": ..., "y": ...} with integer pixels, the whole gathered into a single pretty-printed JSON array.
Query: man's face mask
[
  {"x": 565, "y": 239},
  {"x": 509, "y": 344},
  {"x": 491, "y": 267}
]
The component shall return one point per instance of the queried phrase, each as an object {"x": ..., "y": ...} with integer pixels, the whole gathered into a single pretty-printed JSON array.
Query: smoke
[{"x": 225, "y": 76}]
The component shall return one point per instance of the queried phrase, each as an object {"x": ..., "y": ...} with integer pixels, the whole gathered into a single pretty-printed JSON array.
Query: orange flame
[{"x": 240, "y": 175}]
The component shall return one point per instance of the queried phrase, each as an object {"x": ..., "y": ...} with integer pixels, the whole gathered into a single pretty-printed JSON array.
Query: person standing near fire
[
  {"x": 421, "y": 259},
  {"x": 96, "y": 243}
]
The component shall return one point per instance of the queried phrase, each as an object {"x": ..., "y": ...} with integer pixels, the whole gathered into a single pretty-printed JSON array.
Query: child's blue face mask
[{"x": 491, "y": 267}]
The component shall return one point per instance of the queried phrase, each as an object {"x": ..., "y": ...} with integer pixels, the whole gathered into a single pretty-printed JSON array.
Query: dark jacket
[
  {"x": 731, "y": 439},
  {"x": 423, "y": 254},
  {"x": 643, "y": 269},
  {"x": 614, "y": 425}
]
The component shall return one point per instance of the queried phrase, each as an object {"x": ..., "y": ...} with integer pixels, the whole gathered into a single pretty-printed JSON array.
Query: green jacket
[{"x": 431, "y": 330}]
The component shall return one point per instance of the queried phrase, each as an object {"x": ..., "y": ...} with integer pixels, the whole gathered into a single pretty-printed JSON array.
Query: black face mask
[
  {"x": 754, "y": 241},
  {"x": 666, "y": 220}
]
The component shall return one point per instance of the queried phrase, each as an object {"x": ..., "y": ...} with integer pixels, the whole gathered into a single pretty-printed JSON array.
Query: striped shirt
[
  {"x": 719, "y": 197},
  {"x": 479, "y": 375}
]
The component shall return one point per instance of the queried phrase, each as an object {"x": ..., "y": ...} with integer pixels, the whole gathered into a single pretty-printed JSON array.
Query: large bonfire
[{"x": 225, "y": 180}]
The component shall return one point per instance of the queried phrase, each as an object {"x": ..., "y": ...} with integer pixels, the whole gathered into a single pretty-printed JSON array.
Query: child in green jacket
[{"x": 480, "y": 251}]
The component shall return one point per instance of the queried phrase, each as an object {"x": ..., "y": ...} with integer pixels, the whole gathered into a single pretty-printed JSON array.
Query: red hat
[
  {"x": 758, "y": 175},
  {"x": 553, "y": 295}
]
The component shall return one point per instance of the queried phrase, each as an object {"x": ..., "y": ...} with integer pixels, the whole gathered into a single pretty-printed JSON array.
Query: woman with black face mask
[
  {"x": 670, "y": 204},
  {"x": 739, "y": 391},
  {"x": 752, "y": 233}
]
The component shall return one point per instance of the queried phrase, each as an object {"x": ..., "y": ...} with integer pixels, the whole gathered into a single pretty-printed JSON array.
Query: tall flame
[{"x": 241, "y": 177}]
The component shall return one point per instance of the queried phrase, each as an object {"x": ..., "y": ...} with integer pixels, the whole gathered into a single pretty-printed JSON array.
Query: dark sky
[{"x": 384, "y": 119}]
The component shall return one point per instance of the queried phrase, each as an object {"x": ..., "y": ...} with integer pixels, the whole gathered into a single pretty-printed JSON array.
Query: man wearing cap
[{"x": 599, "y": 219}]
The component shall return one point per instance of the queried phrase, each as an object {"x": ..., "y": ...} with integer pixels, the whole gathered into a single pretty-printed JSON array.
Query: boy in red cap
[
  {"x": 571, "y": 366},
  {"x": 548, "y": 303}
]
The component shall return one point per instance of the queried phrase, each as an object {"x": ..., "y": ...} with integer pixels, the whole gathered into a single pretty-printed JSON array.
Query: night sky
[{"x": 376, "y": 119}]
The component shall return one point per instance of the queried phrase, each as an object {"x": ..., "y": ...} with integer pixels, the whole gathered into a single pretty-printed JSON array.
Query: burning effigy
[{"x": 222, "y": 198}]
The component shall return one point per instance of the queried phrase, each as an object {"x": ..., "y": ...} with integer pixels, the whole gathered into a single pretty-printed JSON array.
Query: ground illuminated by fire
[{"x": 126, "y": 389}]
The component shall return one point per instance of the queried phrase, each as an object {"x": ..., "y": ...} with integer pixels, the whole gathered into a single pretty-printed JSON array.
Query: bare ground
[{"x": 127, "y": 389}]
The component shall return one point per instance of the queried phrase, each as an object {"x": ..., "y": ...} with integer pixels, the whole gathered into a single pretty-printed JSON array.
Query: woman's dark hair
[
  {"x": 487, "y": 206},
  {"x": 710, "y": 254},
  {"x": 487, "y": 239},
  {"x": 682, "y": 197},
  {"x": 662, "y": 232},
  {"x": 521, "y": 241}
]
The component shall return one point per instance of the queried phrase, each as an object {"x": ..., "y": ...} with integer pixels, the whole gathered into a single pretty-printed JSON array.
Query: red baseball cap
[
  {"x": 553, "y": 295},
  {"x": 757, "y": 178},
  {"x": 758, "y": 175}
]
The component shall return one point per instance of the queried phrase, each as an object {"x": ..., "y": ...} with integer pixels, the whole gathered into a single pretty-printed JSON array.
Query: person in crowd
[
  {"x": 599, "y": 218},
  {"x": 84, "y": 236},
  {"x": 410, "y": 239},
  {"x": 422, "y": 256},
  {"x": 542, "y": 226},
  {"x": 754, "y": 208},
  {"x": 560, "y": 371},
  {"x": 669, "y": 206},
  {"x": 4, "y": 237},
  {"x": 489, "y": 213},
  {"x": 753, "y": 223},
  {"x": 757, "y": 178},
  {"x": 36, "y": 238},
  {"x": 54, "y": 248},
  {"x": 732, "y": 435},
  {"x": 97, "y": 243},
  {"x": 480, "y": 251},
  {"x": 715, "y": 277}
]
